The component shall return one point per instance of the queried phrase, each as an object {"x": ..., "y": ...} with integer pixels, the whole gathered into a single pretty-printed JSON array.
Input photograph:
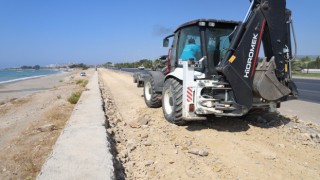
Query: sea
[{"x": 7, "y": 76}]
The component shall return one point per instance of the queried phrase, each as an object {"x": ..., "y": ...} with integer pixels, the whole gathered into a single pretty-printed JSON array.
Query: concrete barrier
[
  {"x": 310, "y": 70},
  {"x": 82, "y": 151}
]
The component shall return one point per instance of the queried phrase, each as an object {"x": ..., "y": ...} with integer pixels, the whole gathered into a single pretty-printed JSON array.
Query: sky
[{"x": 42, "y": 32}]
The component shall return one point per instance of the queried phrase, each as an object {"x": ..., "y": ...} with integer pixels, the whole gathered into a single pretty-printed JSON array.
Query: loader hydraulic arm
[{"x": 267, "y": 22}]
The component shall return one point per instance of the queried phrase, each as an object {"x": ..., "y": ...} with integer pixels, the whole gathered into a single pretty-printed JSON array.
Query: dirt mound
[{"x": 259, "y": 146}]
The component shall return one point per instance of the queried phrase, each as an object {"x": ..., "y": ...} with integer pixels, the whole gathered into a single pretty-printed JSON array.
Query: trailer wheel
[
  {"x": 139, "y": 81},
  {"x": 151, "y": 98},
  {"x": 139, "y": 84},
  {"x": 134, "y": 79},
  {"x": 172, "y": 101}
]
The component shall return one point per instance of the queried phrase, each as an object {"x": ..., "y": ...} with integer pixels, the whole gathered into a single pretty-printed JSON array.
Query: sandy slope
[
  {"x": 23, "y": 147},
  {"x": 24, "y": 88},
  {"x": 257, "y": 147}
]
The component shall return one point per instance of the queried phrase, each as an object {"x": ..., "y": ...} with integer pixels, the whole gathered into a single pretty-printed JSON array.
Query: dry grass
[
  {"x": 60, "y": 115},
  {"x": 19, "y": 101},
  {"x": 4, "y": 130},
  {"x": 82, "y": 82},
  {"x": 32, "y": 147},
  {"x": 3, "y": 110},
  {"x": 4, "y": 107},
  {"x": 25, "y": 153},
  {"x": 315, "y": 75},
  {"x": 13, "y": 99},
  {"x": 75, "y": 96}
]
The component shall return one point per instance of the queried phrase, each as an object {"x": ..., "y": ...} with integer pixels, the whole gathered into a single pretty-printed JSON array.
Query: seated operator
[{"x": 190, "y": 51}]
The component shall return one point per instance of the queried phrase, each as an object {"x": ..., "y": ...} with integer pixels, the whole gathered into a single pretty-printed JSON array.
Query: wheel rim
[
  {"x": 147, "y": 90},
  {"x": 166, "y": 98}
]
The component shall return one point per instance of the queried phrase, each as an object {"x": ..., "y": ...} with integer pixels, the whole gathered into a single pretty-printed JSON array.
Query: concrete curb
[
  {"x": 306, "y": 111},
  {"x": 82, "y": 151}
]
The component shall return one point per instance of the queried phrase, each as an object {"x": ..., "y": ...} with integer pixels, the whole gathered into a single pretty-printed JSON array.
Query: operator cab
[{"x": 205, "y": 39}]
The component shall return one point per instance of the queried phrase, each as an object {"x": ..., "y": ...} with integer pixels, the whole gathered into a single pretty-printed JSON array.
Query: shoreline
[
  {"x": 5, "y": 81},
  {"x": 25, "y": 87},
  {"x": 21, "y": 79}
]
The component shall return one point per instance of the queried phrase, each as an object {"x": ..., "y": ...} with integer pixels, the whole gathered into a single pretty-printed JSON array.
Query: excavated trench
[{"x": 108, "y": 108}]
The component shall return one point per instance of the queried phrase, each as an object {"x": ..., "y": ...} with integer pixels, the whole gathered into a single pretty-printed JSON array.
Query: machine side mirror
[
  {"x": 165, "y": 42},
  {"x": 164, "y": 57}
]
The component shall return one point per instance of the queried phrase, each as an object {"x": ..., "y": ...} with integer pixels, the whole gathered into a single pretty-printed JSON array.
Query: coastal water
[{"x": 7, "y": 76}]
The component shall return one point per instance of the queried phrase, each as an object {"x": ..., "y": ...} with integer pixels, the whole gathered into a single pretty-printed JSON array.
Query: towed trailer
[{"x": 139, "y": 77}]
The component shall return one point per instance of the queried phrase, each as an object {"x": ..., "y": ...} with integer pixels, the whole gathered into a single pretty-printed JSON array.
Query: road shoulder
[{"x": 306, "y": 111}]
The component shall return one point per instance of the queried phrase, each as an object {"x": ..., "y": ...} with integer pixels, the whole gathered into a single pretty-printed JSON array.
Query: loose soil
[
  {"x": 259, "y": 146},
  {"x": 25, "y": 139}
]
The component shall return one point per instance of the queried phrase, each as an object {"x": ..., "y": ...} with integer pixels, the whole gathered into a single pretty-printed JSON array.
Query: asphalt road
[{"x": 309, "y": 89}]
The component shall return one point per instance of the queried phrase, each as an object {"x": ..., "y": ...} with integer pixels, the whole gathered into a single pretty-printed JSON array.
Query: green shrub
[
  {"x": 85, "y": 82},
  {"x": 75, "y": 96},
  {"x": 82, "y": 82},
  {"x": 79, "y": 81}
]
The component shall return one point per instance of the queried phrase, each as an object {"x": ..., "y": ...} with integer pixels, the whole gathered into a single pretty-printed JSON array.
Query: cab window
[{"x": 189, "y": 44}]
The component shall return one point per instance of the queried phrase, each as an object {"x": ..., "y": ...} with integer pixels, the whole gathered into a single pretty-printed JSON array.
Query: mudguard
[
  {"x": 177, "y": 73},
  {"x": 158, "y": 78}
]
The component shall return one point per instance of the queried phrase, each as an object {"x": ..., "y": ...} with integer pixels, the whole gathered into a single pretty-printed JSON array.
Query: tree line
[
  {"x": 36, "y": 67},
  {"x": 81, "y": 66},
  {"x": 297, "y": 65},
  {"x": 305, "y": 63},
  {"x": 144, "y": 62}
]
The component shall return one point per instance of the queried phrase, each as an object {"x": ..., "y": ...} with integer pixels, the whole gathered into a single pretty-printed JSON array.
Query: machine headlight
[
  {"x": 211, "y": 24},
  {"x": 202, "y": 23}
]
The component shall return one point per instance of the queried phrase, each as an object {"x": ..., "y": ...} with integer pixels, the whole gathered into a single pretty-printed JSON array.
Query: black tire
[
  {"x": 138, "y": 84},
  {"x": 134, "y": 78},
  {"x": 151, "y": 98},
  {"x": 172, "y": 101}
]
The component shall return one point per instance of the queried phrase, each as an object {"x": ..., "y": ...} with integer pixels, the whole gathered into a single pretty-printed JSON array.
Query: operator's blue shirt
[{"x": 190, "y": 51}]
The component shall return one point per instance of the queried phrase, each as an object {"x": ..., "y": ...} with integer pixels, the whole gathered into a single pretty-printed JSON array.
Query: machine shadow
[{"x": 256, "y": 118}]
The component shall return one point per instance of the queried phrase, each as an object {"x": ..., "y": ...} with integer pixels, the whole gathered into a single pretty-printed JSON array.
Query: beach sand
[
  {"x": 20, "y": 89},
  {"x": 32, "y": 114}
]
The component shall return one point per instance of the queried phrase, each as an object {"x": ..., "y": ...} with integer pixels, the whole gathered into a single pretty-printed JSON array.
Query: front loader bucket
[{"x": 266, "y": 84}]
